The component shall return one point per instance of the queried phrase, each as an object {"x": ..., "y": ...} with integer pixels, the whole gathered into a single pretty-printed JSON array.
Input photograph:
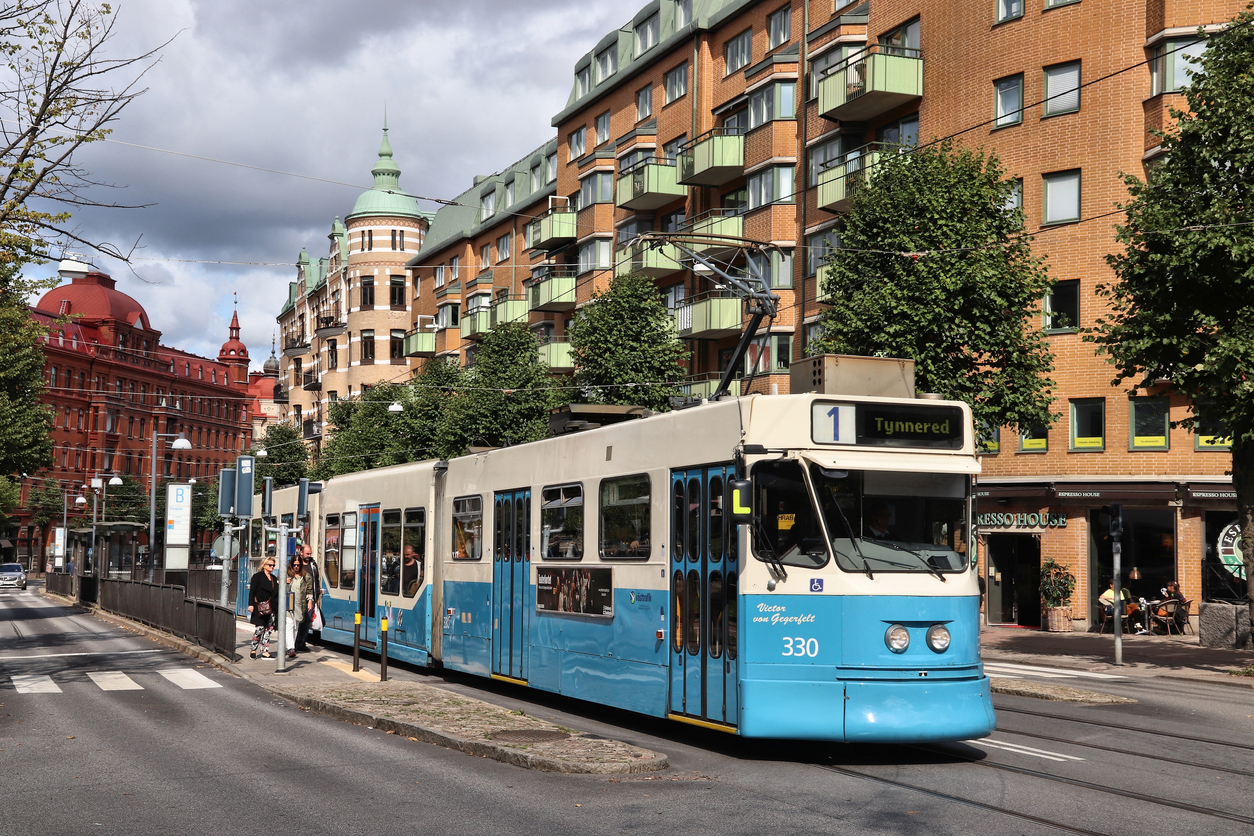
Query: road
[{"x": 105, "y": 732}]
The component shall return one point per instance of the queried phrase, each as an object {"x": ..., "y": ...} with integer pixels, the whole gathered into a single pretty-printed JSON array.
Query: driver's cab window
[{"x": 789, "y": 530}]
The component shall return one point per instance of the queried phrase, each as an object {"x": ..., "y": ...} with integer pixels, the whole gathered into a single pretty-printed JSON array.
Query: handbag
[
  {"x": 317, "y": 619},
  {"x": 263, "y": 607}
]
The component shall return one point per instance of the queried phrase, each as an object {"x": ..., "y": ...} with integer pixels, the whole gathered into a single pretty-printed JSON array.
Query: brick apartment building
[
  {"x": 111, "y": 384},
  {"x": 760, "y": 119},
  {"x": 343, "y": 326}
]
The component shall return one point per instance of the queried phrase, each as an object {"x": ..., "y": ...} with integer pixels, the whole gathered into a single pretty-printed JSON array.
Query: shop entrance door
[{"x": 1014, "y": 574}]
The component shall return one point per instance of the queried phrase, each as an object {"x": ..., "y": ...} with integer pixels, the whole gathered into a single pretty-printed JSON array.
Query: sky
[{"x": 301, "y": 86}]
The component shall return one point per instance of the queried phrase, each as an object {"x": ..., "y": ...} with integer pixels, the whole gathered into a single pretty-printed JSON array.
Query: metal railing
[
  {"x": 168, "y": 608},
  {"x": 206, "y": 585},
  {"x": 59, "y": 583}
]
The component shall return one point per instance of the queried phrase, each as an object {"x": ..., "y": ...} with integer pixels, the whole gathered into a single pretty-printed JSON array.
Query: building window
[
  {"x": 561, "y": 523},
  {"x": 487, "y": 203},
  {"x": 537, "y": 176},
  {"x": 1009, "y": 9},
  {"x": 1034, "y": 439},
  {"x": 770, "y": 185},
  {"x": 583, "y": 81},
  {"x": 1062, "y": 88},
  {"x": 370, "y": 239},
  {"x": 485, "y": 257},
  {"x": 503, "y": 247},
  {"x": 1062, "y": 307},
  {"x": 439, "y": 276},
  {"x": 774, "y": 267},
  {"x": 819, "y": 65},
  {"x": 644, "y": 103},
  {"x": 603, "y": 128},
  {"x": 769, "y": 355},
  {"x": 818, "y": 246},
  {"x": 367, "y": 346},
  {"x": 454, "y": 264},
  {"x": 597, "y": 187},
  {"x": 738, "y": 51},
  {"x": 1053, "y": 4},
  {"x": 509, "y": 194},
  {"x": 1008, "y": 105},
  {"x": 446, "y": 316},
  {"x": 988, "y": 441},
  {"x": 647, "y": 34},
  {"x": 595, "y": 255},
  {"x": 551, "y": 168},
  {"x": 396, "y": 349},
  {"x": 577, "y": 142},
  {"x": 1061, "y": 197},
  {"x": 1172, "y": 63},
  {"x": 772, "y": 101},
  {"x": 677, "y": 83},
  {"x": 670, "y": 151},
  {"x": 396, "y": 291},
  {"x": 333, "y": 355},
  {"x": 904, "y": 37},
  {"x": 625, "y": 517},
  {"x": 1014, "y": 200},
  {"x": 607, "y": 63},
  {"x": 1211, "y": 433},
  {"x": 1088, "y": 424},
  {"x": 779, "y": 26},
  {"x": 820, "y": 156},
  {"x": 683, "y": 13},
  {"x": 1150, "y": 423},
  {"x": 904, "y": 131}
]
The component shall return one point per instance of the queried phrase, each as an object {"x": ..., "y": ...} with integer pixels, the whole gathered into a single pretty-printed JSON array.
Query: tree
[
  {"x": 57, "y": 96},
  {"x": 1183, "y": 304},
  {"x": 286, "y": 459},
  {"x": 129, "y": 501},
  {"x": 626, "y": 338},
  {"x": 45, "y": 502},
  {"x": 25, "y": 422},
  {"x": 10, "y": 498},
  {"x": 365, "y": 435},
  {"x": 932, "y": 266}
]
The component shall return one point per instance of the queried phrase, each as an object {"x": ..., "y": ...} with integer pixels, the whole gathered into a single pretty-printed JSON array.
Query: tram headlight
[
  {"x": 938, "y": 638},
  {"x": 897, "y": 638}
]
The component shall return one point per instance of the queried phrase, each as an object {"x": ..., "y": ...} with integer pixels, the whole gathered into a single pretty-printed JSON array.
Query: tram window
[
  {"x": 790, "y": 530},
  {"x": 468, "y": 528},
  {"x": 413, "y": 551},
  {"x": 677, "y": 611},
  {"x": 625, "y": 517},
  {"x": 714, "y": 522},
  {"x": 390, "y": 553},
  {"x": 331, "y": 550},
  {"x": 677, "y": 519},
  {"x": 348, "y": 552},
  {"x": 716, "y": 615},
  {"x": 500, "y": 549},
  {"x": 561, "y": 522},
  {"x": 694, "y": 519},
  {"x": 526, "y": 555},
  {"x": 692, "y": 622},
  {"x": 733, "y": 584}
]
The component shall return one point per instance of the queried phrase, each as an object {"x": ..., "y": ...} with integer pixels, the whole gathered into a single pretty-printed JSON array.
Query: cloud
[{"x": 301, "y": 87}]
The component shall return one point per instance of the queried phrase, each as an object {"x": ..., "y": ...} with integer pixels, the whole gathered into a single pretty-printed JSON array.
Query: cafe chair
[
  {"x": 1164, "y": 615},
  {"x": 1105, "y": 618}
]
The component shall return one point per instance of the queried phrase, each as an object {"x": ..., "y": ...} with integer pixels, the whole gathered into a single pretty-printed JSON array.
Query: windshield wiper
[
  {"x": 922, "y": 560},
  {"x": 853, "y": 540},
  {"x": 768, "y": 554}
]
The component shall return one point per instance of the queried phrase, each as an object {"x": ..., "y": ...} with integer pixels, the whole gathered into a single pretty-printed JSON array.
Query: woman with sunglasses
[{"x": 263, "y": 603}]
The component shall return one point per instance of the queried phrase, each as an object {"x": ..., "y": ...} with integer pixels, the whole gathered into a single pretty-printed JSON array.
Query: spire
[
  {"x": 271, "y": 367},
  {"x": 386, "y": 173},
  {"x": 235, "y": 325}
]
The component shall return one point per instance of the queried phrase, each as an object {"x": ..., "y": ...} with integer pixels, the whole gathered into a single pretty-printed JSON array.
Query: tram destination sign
[{"x": 887, "y": 425}]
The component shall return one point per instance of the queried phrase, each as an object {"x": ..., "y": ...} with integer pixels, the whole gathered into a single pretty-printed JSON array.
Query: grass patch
[{"x": 1246, "y": 671}]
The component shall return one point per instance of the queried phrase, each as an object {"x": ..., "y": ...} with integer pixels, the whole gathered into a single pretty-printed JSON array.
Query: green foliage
[
  {"x": 46, "y": 503},
  {"x": 25, "y": 422},
  {"x": 1057, "y": 584},
  {"x": 205, "y": 506},
  {"x": 10, "y": 497},
  {"x": 966, "y": 307},
  {"x": 626, "y": 336},
  {"x": 364, "y": 435},
  {"x": 129, "y": 501},
  {"x": 286, "y": 459},
  {"x": 1183, "y": 304}
]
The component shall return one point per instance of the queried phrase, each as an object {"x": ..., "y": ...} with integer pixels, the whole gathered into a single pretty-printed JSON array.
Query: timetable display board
[{"x": 887, "y": 425}]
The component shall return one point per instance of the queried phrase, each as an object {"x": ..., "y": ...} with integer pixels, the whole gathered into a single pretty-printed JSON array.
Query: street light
[{"x": 180, "y": 443}]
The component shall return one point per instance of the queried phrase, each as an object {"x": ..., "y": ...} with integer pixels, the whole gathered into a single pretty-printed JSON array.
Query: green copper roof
[{"x": 386, "y": 198}]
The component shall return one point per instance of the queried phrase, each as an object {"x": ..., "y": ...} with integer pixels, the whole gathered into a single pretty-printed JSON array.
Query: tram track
[
  {"x": 1158, "y": 757},
  {"x": 1125, "y": 728}
]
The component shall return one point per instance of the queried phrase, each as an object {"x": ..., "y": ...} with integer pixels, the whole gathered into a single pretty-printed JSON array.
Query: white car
[{"x": 12, "y": 574}]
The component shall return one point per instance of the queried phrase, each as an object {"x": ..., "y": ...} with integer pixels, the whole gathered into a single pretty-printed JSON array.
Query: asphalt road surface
[{"x": 104, "y": 732}]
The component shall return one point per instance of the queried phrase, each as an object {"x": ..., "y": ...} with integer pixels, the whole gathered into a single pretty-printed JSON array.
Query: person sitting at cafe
[
  {"x": 1172, "y": 593},
  {"x": 1107, "y": 598}
]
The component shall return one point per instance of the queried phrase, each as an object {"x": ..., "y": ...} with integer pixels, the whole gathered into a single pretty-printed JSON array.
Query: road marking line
[
  {"x": 114, "y": 681},
  {"x": 34, "y": 683},
  {"x": 189, "y": 680},
  {"x": 84, "y": 653},
  {"x": 1027, "y": 750},
  {"x": 996, "y": 675},
  {"x": 1043, "y": 671}
]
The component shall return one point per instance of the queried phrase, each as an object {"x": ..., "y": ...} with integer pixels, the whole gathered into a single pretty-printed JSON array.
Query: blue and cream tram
[{"x": 606, "y": 565}]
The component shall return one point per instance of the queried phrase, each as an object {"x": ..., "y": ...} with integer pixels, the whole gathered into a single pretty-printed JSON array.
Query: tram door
[
  {"x": 368, "y": 577},
  {"x": 704, "y": 583},
  {"x": 511, "y": 563}
]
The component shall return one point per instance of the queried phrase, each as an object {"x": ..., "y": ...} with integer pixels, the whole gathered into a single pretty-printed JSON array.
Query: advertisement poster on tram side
[{"x": 576, "y": 590}]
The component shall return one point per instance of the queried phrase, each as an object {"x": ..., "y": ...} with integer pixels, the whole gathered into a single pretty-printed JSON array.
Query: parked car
[{"x": 12, "y": 574}]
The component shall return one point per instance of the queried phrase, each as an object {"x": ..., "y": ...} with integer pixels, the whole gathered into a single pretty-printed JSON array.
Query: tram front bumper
[{"x": 861, "y": 711}]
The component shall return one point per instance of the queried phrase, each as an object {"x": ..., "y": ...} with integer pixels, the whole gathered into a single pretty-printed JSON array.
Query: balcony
[
  {"x": 553, "y": 290},
  {"x": 712, "y": 226},
  {"x": 329, "y": 326},
  {"x": 841, "y": 179},
  {"x": 310, "y": 382},
  {"x": 508, "y": 309},
  {"x": 653, "y": 261},
  {"x": 280, "y": 393},
  {"x": 702, "y": 386},
  {"x": 648, "y": 185},
  {"x": 295, "y": 346},
  {"x": 311, "y": 429},
  {"x": 557, "y": 229},
  {"x": 419, "y": 343},
  {"x": 555, "y": 353},
  {"x": 708, "y": 317},
  {"x": 871, "y": 82},
  {"x": 714, "y": 158},
  {"x": 476, "y": 324}
]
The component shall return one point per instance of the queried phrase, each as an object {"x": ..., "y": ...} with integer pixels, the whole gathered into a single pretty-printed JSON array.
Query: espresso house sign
[{"x": 1011, "y": 521}]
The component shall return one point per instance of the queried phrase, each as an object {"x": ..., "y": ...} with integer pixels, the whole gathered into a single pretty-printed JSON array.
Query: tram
[{"x": 609, "y": 565}]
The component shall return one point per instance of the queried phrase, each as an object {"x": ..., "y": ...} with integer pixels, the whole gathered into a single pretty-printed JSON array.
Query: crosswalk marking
[
  {"x": 188, "y": 679},
  {"x": 1048, "y": 673},
  {"x": 114, "y": 681},
  {"x": 1025, "y": 750},
  {"x": 33, "y": 683}
]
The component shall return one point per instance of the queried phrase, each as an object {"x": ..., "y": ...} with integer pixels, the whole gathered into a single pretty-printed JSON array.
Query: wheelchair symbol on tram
[{"x": 816, "y": 584}]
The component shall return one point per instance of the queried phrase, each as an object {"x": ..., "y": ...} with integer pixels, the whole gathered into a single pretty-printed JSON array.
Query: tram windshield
[{"x": 878, "y": 521}]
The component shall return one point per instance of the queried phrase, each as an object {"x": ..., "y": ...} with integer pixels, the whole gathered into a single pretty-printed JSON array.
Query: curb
[
  {"x": 1072, "y": 664},
  {"x": 338, "y": 712}
]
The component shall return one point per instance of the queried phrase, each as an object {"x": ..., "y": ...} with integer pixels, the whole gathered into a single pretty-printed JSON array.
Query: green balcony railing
[
  {"x": 648, "y": 185},
  {"x": 508, "y": 309},
  {"x": 555, "y": 353},
  {"x": 653, "y": 261},
  {"x": 871, "y": 82},
  {"x": 553, "y": 290},
  {"x": 841, "y": 179},
  {"x": 476, "y": 324},
  {"x": 712, "y": 226},
  {"x": 420, "y": 343},
  {"x": 703, "y": 386},
  {"x": 557, "y": 229},
  {"x": 708, "y": 317},
  {"x": 714, "y": 158}
]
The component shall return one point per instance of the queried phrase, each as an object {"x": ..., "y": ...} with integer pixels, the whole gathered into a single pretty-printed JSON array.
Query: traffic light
[
  {"x": 267, "y": 497},
  {"x": 303, "y": 490},
  {"x": 1114, "y": 511},
  {"x": 244, "y": 486},
  {"x": 226, "y": 492}
]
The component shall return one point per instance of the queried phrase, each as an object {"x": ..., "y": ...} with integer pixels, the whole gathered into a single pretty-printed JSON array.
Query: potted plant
[{"x": 1057, "y": 584}]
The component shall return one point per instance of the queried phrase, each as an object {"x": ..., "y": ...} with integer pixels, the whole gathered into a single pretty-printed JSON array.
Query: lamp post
[
  {"x": 98, "y": 484},
  {"x": 180, "y": 443}
]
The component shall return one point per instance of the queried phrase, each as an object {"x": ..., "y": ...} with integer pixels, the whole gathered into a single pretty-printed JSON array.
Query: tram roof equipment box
[{"x": 846, "y": 374}]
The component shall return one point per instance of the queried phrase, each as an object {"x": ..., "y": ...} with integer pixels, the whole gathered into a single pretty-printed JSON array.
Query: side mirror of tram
[{"x": 741, "y": 491}]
